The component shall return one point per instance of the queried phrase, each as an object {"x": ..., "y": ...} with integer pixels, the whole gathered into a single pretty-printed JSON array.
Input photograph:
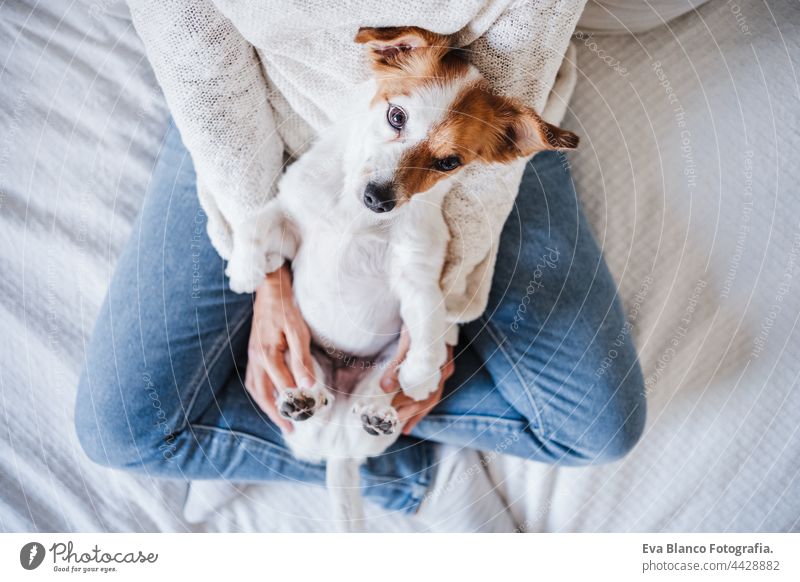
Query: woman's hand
[
  {"x": 409, "y": 410},
  {"x": 278, "y": 329}
]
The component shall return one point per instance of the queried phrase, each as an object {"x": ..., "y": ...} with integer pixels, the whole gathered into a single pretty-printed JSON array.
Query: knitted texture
[{"x": 250, "y": 81}]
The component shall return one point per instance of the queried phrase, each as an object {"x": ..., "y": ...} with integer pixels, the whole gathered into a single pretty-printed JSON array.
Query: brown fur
[
  {"x": 481, "y": 124},
  {"x": 400, "y": 70}
]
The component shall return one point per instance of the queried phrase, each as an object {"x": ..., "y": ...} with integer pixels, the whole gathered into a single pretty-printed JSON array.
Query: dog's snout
[{"x": 379, "y": 197}]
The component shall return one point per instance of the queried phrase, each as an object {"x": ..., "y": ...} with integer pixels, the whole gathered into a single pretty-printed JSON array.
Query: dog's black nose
[{"x": 379, "y": 197}]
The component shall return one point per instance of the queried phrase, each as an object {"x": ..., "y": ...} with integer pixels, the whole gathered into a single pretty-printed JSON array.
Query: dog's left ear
[
  {"x": 387, "y": 46},
  {"x": 520, "y": 132}
]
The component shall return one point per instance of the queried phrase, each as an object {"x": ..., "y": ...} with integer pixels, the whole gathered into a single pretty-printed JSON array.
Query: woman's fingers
[
  {"x": 449, "y": 368},
  {"x": 269, "y": 404},
  {"x": 412, "y": 422},
  {"x": 413, "y": 412},
  {"x": 410, "y": 411},
  {"x": 389, "y": 381},
  {"x": 263, "y": 392},
  {"x": 300, "y": 362},
  {"x": 275, "y": 365}
]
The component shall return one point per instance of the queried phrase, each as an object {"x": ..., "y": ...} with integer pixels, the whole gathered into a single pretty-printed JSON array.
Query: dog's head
[{"x": 433, "y": 114}]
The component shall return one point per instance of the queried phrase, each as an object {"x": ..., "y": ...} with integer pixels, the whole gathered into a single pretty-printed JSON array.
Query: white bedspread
[{"x": 701, "y": 230}]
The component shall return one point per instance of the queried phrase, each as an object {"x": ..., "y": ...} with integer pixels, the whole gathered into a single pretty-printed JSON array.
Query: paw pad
[
  {"x": 379, "y": 422},
  {"x": 298, "y": 406}
]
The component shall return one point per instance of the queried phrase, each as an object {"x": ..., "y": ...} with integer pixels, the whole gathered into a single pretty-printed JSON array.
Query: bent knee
[
  {"x": 107, "y": 435},
  {"x": 103, "y": 441},
  {"x": 617, "y": 439},
  {"x": 608, "y": 428},
  {"x": 619, "y": 423}
]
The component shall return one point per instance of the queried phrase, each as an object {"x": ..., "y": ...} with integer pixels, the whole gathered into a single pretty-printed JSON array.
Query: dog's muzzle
[{"x": 379, "y": 197}]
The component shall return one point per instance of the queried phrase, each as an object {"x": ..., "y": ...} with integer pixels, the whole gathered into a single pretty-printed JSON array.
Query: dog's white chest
[{"x": 342, "y": 285}]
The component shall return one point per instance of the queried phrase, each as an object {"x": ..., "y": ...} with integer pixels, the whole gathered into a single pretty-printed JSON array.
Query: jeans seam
[
  {"x": 253, "y": 439},
  {"x": 202, "y": 374},
  {"x": 492, "y": 424},
  {"x": 493, "y": 334},
  {"x": 414, "y": 501},
  {"x": 286, "y": 455}
]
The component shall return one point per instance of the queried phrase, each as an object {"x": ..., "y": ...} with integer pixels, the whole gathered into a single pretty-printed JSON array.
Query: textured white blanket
[{"x": 80, "y": 125}]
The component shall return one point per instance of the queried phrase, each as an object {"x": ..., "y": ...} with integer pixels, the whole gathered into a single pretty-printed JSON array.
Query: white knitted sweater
[{"x": 249, "y": 81}]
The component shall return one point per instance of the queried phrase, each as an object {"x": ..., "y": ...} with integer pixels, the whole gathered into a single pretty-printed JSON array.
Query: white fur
[{"x": 358, "y": 275}]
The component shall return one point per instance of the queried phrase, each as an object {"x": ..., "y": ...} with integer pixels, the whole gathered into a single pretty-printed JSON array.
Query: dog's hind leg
[
  {"x": 377, "y": 420},
  {"x": 373, "y": 407},
  {"x": 300, "y": 404},
  {"x": 343, "y": 482}
]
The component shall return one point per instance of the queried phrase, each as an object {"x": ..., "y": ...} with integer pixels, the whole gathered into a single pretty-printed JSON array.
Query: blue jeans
[{"x": 549, "y": 373}]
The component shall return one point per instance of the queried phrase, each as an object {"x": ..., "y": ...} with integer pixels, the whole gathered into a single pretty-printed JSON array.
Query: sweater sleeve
[
  {"x": 216, "y": 89},
  {"x": 520, "y": 54}
]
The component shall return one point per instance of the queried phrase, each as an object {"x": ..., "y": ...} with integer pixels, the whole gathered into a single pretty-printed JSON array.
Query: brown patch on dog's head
[
  {"x": 389, "y": 47},
  {"x": 388, "y": 42},
  {"x": 509, "y": 129},
  {"x": 404, "y": 58},
  {"x": 480, "y": 126}
]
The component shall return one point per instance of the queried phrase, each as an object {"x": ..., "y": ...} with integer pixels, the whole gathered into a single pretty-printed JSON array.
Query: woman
[{"x": 180, "y": 372}]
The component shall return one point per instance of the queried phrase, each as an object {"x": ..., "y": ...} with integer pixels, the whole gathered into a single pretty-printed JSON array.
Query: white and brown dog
[{"x": 359, "y": 217}]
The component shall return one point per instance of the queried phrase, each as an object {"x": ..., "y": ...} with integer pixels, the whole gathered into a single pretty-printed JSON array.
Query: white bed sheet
[
  {"x": 82, "y": 118},
  {"x": 699, "y": 224}
]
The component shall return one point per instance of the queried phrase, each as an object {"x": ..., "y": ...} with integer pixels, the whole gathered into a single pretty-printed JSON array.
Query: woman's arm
[
  {"x": 217, "y": 93},
  {"x": 216, "y": 90},
  {"x": 278, "y": 330}
]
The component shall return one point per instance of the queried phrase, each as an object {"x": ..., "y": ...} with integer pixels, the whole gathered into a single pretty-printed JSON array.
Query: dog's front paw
[
  {"x": 272, "y": 262},
  {"x": 419, "y": 378},
  {"x": 246, "y": 271}
]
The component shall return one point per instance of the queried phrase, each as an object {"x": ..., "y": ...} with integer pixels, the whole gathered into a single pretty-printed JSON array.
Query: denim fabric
[{"x": 549, "y": 373}]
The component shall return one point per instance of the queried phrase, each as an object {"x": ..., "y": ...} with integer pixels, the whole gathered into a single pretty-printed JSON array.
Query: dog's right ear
[
  {"x": 388, "y": 46},
  {"x": 516, "y": 131}
]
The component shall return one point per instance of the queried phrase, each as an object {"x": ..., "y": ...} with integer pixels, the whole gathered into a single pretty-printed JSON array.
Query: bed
[{"x": 686, "y": 170}]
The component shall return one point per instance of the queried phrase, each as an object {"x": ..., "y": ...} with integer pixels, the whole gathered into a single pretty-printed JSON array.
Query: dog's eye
[
  {"x": 447, "y": 164},
  {"x": 396, "y": 116}
]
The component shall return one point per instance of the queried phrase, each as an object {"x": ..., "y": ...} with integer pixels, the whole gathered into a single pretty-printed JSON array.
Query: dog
[{"x": 359, "y": 217}]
